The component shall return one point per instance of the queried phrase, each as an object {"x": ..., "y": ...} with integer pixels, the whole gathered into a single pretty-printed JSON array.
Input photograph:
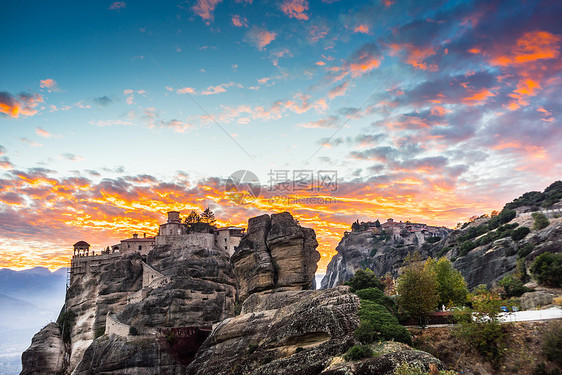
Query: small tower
[
  {"x": 174, "y": 217},
  {"x": 81, "y": 248}
]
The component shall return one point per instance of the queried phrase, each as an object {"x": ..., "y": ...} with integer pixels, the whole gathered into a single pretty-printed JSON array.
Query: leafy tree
[
  {"x": 417, "y": 288},
  {"x": 208, "y": 216},
  {"x": 364, "y": 279},
  {"x": 547, "y": 269},
  {"x": 193, "y": 218},
  {"x": 451, "y": 286},
  {"x": 541, "y": 221},
  {"x": 377, "y": 223},
  {"x": 378, "y": 296},
  {"x": 513, "y": 286},
  {"x": 481, "y": 328},
  {"x": 356, "y": 227},
  {"x": 389, "y": 284}
]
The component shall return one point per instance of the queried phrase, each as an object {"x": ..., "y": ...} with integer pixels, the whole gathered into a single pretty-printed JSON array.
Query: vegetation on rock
[
  {"x": 364, "y": 279},
  {"x": 547, "y": 269},
  {"x": 541, "y": 221}
]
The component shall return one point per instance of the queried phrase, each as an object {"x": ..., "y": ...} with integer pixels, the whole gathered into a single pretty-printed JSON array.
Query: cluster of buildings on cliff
[
  {"x": 173, "y": 230},
  {"x": 400, "y": 230}
]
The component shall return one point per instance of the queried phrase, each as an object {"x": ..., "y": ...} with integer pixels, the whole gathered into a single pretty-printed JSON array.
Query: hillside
[{"x": 484, "y": 250}]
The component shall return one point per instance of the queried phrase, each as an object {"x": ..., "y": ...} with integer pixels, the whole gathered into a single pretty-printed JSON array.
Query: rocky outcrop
[
  {"x": 360, "y": 250},
  {"x": 134, "y": 355},
  {"x": 275, "y": 253},
  {"x": 533, "y": 300},
  {"x": 287, "y": 332},
  {"x": 46, "y": 354},
  {"x": 485, "y": 264}
]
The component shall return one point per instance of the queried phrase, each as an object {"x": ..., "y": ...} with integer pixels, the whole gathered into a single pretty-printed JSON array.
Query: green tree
[
  {"x": 541, "y": 221},
  {"x": 193, "y": 218},
  {"x": 417, "y": 288},
  {"x": 513, "y": 286},
  {"x": 520, "y": 233},
  {"x": 208, "y": 216},
  {"x": 451, "y": 286},
  {"x": 364, "y": 279},
  {"x": 481, "y": 328},
  {"x": 547, "y": 269}
]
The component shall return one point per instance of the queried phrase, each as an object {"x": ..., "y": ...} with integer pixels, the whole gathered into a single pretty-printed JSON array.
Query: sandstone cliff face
[
  {"x": 276, "y": 252},
  {"x": 46, "y": 354},
  {"x": 285, "y": 332}
]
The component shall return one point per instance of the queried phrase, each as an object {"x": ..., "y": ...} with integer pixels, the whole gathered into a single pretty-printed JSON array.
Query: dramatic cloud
[
  {"x": 23, "y": 103},
  {"x": 260, "y": 37}
]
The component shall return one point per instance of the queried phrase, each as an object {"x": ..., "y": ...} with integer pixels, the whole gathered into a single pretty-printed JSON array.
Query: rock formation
[
  {"x": 486, "y": 264},
  {"x": 46, "y": 354},
  {"x": 276, "y": 253}
]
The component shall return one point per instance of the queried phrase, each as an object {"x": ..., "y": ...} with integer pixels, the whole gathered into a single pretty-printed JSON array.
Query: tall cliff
[{"x": 124, "y": 307}]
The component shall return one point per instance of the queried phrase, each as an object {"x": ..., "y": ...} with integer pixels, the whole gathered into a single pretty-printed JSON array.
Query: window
[{"x": 140, "y": 247}]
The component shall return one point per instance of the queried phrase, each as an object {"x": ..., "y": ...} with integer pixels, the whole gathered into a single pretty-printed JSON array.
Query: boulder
[
  {"x": 532, "y": 300},
  {"x": 288, "y": 332}
]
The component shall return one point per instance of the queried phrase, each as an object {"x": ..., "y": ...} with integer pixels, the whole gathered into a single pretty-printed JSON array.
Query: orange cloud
[
  {"x": 23, "y": 104},
  {"x": 415, "y": 56},
  {"x": 532, "y": 46},
  {"x": 205, "y": 9},
  {"x": 295, "y": 9},
  {"x": 361, "y": 29},
  {"x": 239, "y": 21},
  {"x": 478, "y": 97},
  {"x": 49, "y": 84},
  {"x": 260, "y": 37},
  {"x": 46, "y": 215}
]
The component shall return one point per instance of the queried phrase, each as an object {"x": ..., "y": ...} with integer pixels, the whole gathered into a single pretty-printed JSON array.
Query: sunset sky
[{"x": 112, "y": 113}]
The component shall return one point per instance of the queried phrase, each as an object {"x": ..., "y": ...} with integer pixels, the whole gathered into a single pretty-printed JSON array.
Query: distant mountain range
[{"x": 28, "y": 301}]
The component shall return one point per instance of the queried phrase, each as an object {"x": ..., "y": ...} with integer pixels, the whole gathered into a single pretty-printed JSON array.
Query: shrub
[
  {"x": 525, "y": 250},
  {"x": 407, "y": 369},
  {"x": 443, "y": 251},
  {"x": 252, "y": 348},
  {"x": 541, "y": 221},
  {"x": 171, "y": 338},
  {"x": 520, "y": 233},
  {"x": 547, "y": 269},
  {"x": 66, "y": 322},
  {"x": 382, "y": 322},
  {"x": 364, "y": 279},
  {"x": 434, "y": 239},
  {"x": 466, "y": 247},
  {"x": 378, "y": 296},
  {"x": 358, "y": 352},
  {"x": 552, "y": 343},
  {"x": 513, "y": 286},
  {"x": 133, "y": 331},
  {"x": 366, "y": 332},
  {"x": 99, "y": 331}
]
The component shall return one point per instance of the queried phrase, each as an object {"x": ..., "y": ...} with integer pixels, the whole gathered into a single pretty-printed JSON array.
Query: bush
[
  {"x": 366, "y": 332},
  {"x": 466, "y": 247},
  {"x": 133, "y": 331},
  {"x": 358, "y": 352},
  {"x": 66, "y": 322},
  {"x": 99, "y": 331},
  {"x": 384, "y": 324},
  {"x": 171, "y": 338},
  {"x": 541, "y": 221},
  {"x": 525, "y": 250},
  {"x": 443, "y": 251},
  {"x": 547, "y": 269},
  {"x": 434, "y": 239},
  {"x": 513, "y": 286},
  {"x": 364, "y": 279},
  {"x": 378, "y": 296},
  {"x": 552, "y": 343},
  {"x": 520, "y": 233},
  {"x": 252, "y": 348}
]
